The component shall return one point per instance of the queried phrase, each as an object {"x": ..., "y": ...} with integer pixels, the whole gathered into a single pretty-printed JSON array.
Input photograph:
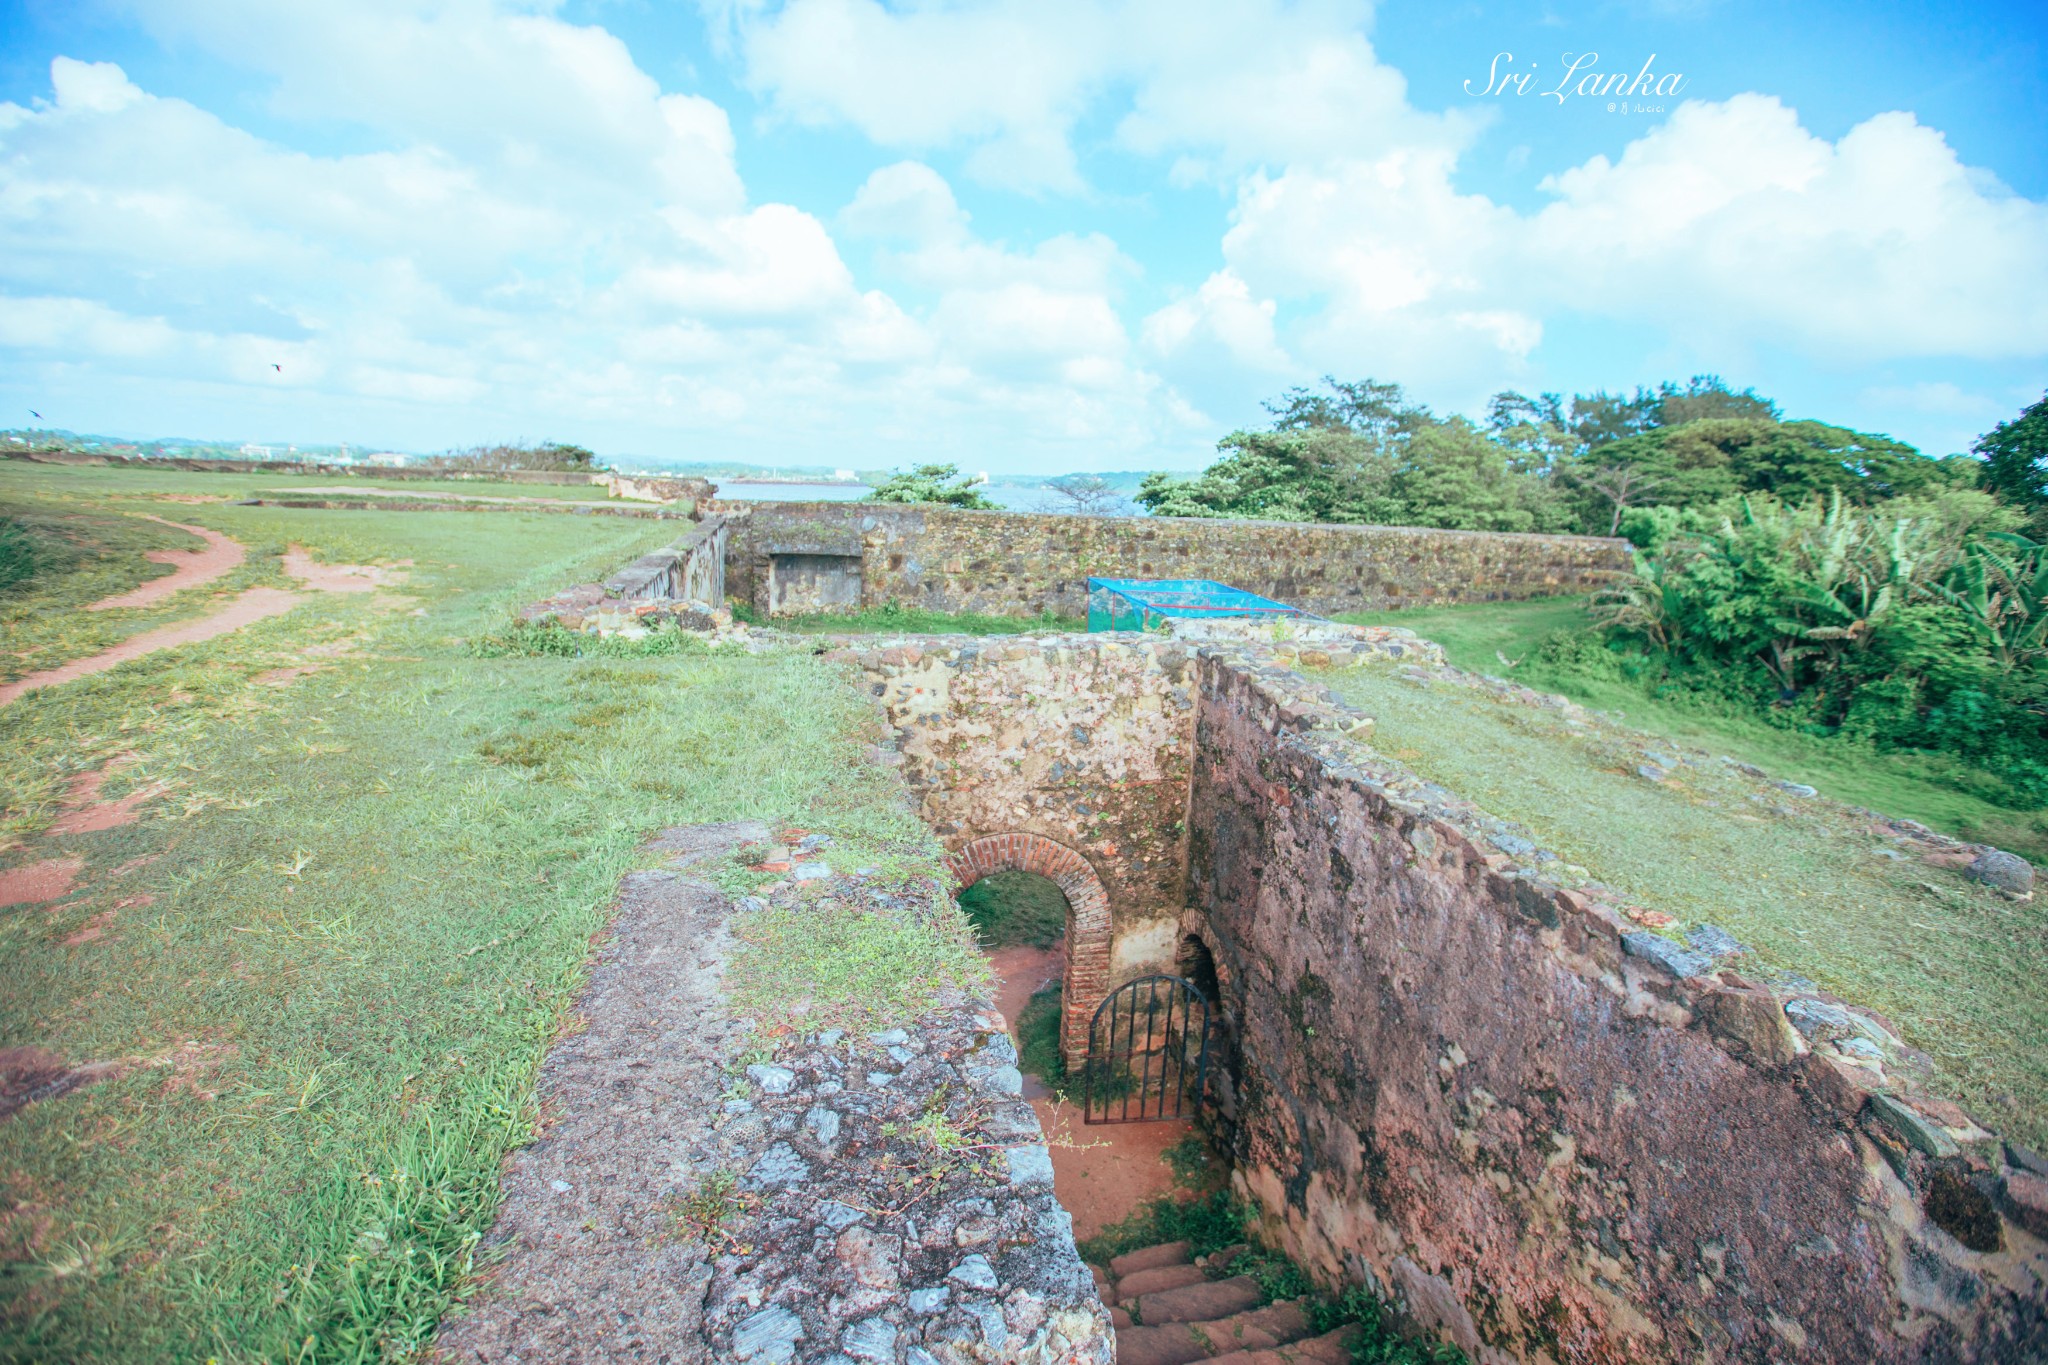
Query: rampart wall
[
  {"x": 1021, "y": 563},
  {"x": 691, "y": 570},
  {"x": 1547, "y": 1135},
  {"x": 1544, "y": 1133}
]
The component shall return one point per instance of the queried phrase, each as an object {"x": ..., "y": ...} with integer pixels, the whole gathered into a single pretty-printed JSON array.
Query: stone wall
[
  {"x": 1545, "y": 1135},
  {"x": 656, "y": 488},
  {"x": 1018, "y": 563},
  {"x": 691, "y": 570},
  {"x": 1079, "y": 740},
  {"x": 1066, "y": 755}
]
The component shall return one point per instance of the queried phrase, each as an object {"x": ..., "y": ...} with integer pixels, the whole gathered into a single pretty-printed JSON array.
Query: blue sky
[{"x": 1026, "y": 235}]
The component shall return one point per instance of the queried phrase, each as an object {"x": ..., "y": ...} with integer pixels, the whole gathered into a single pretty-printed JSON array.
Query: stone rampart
[
  {"x": 1066, "y": 755},
  {"x": 1020, "y": 563},
  {"x": 691, "y": 570},
  {"x": 1550, "y": 1136}
]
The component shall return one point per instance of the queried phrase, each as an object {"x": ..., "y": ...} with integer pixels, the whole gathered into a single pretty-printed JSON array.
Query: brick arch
[{"x": 1088, "y": 931}]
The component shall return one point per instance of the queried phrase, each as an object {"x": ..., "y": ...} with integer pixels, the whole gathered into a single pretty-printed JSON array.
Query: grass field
[
  {"x": 1503, "y": 638},
  {"x": 1953, "y": 965},
  {"x": 324, "y": 964}
]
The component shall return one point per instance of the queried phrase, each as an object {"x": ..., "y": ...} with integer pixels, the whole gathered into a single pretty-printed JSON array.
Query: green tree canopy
[
  {"x": 2016, "y": 461},
  {"x": 931, "y": 483}
]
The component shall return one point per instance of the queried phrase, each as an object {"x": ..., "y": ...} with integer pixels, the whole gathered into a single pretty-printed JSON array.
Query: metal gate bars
[{"x": 1148, "y": 1052}]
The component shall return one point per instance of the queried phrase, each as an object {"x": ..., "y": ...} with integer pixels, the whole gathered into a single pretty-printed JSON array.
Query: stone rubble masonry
[
  {"x": 1458, "y": 1082},
  {"x": 1014, "y": 563},
  {"x": 691, "y": 570},
  {"x": 1080, "y": 742},
  {"x": 683, "y": 583},
  {"x": 825, "y": 1229},
  {"x": 1542, "y": 1132}
]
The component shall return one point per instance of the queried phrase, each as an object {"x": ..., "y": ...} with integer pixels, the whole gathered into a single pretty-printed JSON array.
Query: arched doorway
[{"x": 1086, "y": 980}]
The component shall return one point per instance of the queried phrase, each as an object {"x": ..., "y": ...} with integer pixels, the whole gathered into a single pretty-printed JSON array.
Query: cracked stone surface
[{"x": 847, "y": 1237}]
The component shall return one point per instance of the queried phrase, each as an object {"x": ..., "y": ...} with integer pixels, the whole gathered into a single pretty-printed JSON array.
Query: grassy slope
[
  {"x": 340, "y": 945},
  {"x": 1954, "y": 966},
  {"x": 1919, "y": 787}
]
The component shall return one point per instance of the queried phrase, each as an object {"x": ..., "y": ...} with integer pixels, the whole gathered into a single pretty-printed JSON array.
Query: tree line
[{"x": 1829, "y": 579}]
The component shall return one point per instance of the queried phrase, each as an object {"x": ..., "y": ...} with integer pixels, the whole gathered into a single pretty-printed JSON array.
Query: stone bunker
[
  {"x": 1444, "y": 1067},
  {"x": 1542, "y": 1132}
]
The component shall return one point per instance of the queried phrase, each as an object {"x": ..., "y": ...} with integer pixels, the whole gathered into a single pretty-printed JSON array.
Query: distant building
[
  {"x": 390, "y": 459},
  {"x": 256, "y": 452},
  {"x": 845, "y": 476}
]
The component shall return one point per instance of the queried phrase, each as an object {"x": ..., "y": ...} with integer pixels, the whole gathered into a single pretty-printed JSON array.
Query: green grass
[
  {"x": 1038, "y": 1039},
  {"x": 1504, "y": 639},
  {"x": 155, "y": 482},
  {"x": 1014, "y": 907},
  {"x": 901, "y": 620},
  {"x": 337, "y": 949},
  {"x": 1956, "y": 967}
]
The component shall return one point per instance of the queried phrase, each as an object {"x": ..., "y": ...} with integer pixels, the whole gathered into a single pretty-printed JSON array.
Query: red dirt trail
[
  {"x": 250, "y": 606},
  {"x": 191, "y": 568},
  {"x": 85, "y": 813},
  {"x": 1101, "y": 1174},
  {"x": 34, "y": 883}
]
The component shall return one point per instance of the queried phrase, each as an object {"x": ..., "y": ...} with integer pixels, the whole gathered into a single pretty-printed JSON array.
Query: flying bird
[
  {"x": 278, "y": 368},
  {"x": 37, "y": 415}
]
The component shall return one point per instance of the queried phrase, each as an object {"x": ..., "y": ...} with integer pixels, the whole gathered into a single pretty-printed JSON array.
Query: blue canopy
[{"x": 1147, "y": 603}]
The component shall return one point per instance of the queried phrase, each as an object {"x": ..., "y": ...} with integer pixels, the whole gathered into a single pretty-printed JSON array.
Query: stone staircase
[{"x": 1171, "y": 1308}]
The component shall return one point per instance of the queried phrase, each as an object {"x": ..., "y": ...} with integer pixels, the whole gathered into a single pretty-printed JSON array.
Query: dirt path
[
  {"x": 1102, "y": 1173},
  {"x": 248, "y": 607},
  {"x": 251, "y": 606},
  {"x": 190, "y": 568}
]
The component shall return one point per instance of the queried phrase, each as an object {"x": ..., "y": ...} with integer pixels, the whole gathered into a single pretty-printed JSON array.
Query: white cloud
[
  {"x": 1240, "y": 86},
  {"x": 1728, "y": 228},
  {"x": 535, "y": 232},
  {"x": 577, "y": 259}
]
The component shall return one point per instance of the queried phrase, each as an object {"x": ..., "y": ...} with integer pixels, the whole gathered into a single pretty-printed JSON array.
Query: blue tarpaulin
[{"x": 1148, "y": 603}]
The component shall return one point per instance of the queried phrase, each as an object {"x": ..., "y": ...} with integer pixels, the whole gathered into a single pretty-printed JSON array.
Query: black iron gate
[{"x": 1148, "y": 1052}]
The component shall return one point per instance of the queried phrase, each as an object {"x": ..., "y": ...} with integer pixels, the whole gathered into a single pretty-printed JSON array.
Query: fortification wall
[
  {"x": 1489, "y": 1099},
  {"x": 691, "y": 570},
  {"x": 1078, "y": 739},
  {"x": 1019, "y": 563}
]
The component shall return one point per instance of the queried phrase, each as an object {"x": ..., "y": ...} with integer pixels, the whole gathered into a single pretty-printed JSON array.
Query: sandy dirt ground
[{"x": 1100, "y": 1172}]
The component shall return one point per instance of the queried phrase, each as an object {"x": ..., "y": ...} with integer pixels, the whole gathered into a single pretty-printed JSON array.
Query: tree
[
  {"x": 931, "y": 483},
  {"x": 1623, "y": 485},
  {"x": 2015, "y": 455},
  {"x": 1453, "y": 474},
  {"x": 1085, "y": 495},
  {"x": 1329, "y": 457}
]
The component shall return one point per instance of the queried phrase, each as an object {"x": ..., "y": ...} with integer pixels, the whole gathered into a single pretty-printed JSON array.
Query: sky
[{"x": 1025, "y": 236}]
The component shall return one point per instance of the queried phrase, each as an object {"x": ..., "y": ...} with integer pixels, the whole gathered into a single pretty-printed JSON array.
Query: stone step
[
  {"x": 1141, "y": 1282},
  {"x": 1181, "y": 1343},
  {"x": 1332, "y": 1348},
  {"x": 1150, "y": 1258},
  {"x": 1202, "y": 1302}
]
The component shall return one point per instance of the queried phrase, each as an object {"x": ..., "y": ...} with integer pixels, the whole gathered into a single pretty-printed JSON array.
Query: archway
[{"x": 1086, "y": 980}]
